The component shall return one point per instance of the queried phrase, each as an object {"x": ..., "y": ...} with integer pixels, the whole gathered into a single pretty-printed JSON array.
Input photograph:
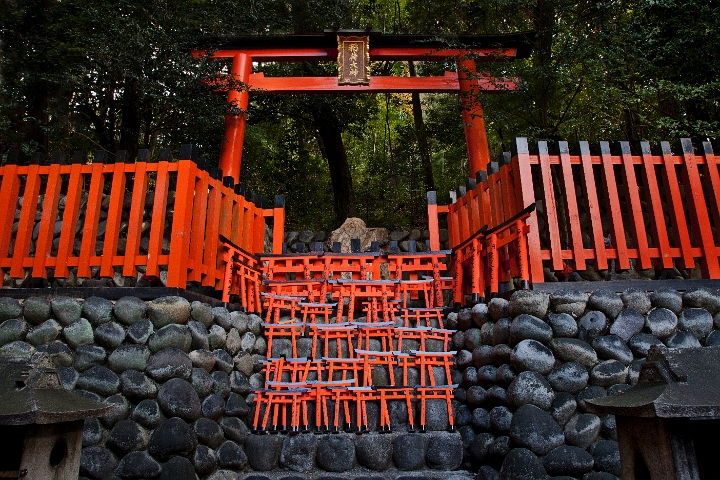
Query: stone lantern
[
  {"x": 668, "y": 424},
  {"x": 41, "y": 423}
]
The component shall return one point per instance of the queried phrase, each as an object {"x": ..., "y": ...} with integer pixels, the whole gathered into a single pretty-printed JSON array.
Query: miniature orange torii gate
[{"x": 354, "y": 50}]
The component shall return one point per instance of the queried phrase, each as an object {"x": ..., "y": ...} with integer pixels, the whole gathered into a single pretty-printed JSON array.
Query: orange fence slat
[
  {"x": 112, "y": 223},
  {"x": 197, "y": 235},
  {"x": 48, "y": 217},
  {"x": 636, "y": 212},
  {"x": 157, "y": 225},
  {"x": 677, "y": 215},
  {"x": 135, "y": 219},
  {"x": 712, "y": 169},
  {"x": 572, "y": 207},
  {"x": 27, "y": 222},
  {"x": 550, "y": 207},
  {"x": 182, "y": 218},
  {"x": 660, "y": 230},
  {"x": 616, "y": 223},
  {"x": 69, "y": 220},
  {"x": 8, "y": 192},
  {"x": 593, "y": 204},
  {"x": 92, "y": 218}
]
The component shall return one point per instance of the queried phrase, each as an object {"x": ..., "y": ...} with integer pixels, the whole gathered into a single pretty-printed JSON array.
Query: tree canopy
[{"x": 97, "y": 75}]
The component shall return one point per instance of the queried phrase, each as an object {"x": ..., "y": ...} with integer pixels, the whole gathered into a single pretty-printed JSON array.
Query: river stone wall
[{"x": 527, "y": 366}]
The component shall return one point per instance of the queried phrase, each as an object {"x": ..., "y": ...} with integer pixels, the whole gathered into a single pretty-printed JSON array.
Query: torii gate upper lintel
[{"x": 353, "y": 50}]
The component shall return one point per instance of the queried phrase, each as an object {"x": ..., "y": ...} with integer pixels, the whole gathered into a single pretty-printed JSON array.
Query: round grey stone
[
  {"x": 589, "y": 393},
  {"x": 500, "y": 354},
  {"x": 486, "y": 376},
  {"x": 178, "y": 468},
  {"x": 563, "y": 407},
  {"x": 170, "y": 336},
  {"x": 487, "y": 472},
  {"x": 202, "y": 382},
  {"x": 231, "y": 456},
  {"x": 472, "y": 338},
  {"x": 263, "y": 451},
  {"x": 97, "y": 310},
  {"x": 87, "y": 356},
  {"x": 213, "y": 407},
  {"x": 140, "y": 331},
  {"x": 97, "y": 462},
  {"x": 66, "y": 310},
  {"x": 661, "y": 323},
  {"x": 606, "y": 455},
  {"x": 628, "y": 323},
  {"x": 501, "y": 331},
  {"x": 59, "y": 353},
  {"x": 696, "y": 321},
  {"x": 204, "y": 460},
  {"x": 129, "y": 310},
  {"x": 172, "y": 437},
  {"x": 217, "y": 336},
  {"x": 239, "y": 321},
  {"x": 683, "y": 340},
  {"x": 209, "y": 432},
  {"x": 222, "y": 317},
  {"x": 521, "y": 464},
  {"x": 120, "y": 410},
  {"x": 530, "y": 302},
  {"x": 147, "y": 413},
  {"x": 569, "y": 377},
  {"x": 500, "y": 420},
  {"x": 36, "y": 310},
  {"x": 667, "y": 298},
  {"x": 110, "y": 335},
  {"x": 498, "y": 308},
  {"x": 592, "y": 325},
  {"x": 79, "y": 333},
  {"x": 607, "y": 373},
  {"x": 9, "y": 308},
  {"x": 569, "y": 461},
  {"x": 530, "y": 388},
  {"x": 201, "y": 312},
  {"x": 177, "y": 398},
  {"x": 480, "y": 314},
  {"x": 605, "y": 301},
  {"x": 464, "y": 319},
  {"x": 221, "y": 383},
  {"x": 409, "y": 451},
  {"x": 480, "y": 446},
  {"x": 574, "y": 350},
  {"x": 93, "y": 432},
  {"x": 532, "y": 355},
  {"x": 127, "y": 436},
  {"x": 475, "y": 396},
  {"x": 444, "y": 452},
  {"x": 612, "y": 347},
  {"x": 202, "y": 359},
  {"x": 17, "y": 349},
  {"x": 298, "y": 452},
  {"x": 713, "y": 339},
  {"x": 136, "y": 386},
  {"x": 236, "y": 406},
  {"x": 100, "y": 380},
  {"x": 640, "y": 344},
  {"x": 198, "y": 335},
  {"x": 169, "y": 363},
  {"x": 463, "y": 359},
  {"x": 637, "y": 300},
  {"x": 526, "y": 326},
  {"x": 254, "y": 324},
  {"x": 68, "y": 377},
  {"x": 129, "y": 357},
  {"x": 536, "y": 430},
  {"x": 571, "y": 302},
  {"x": 702, "y": 298},
  {"x": 223, "y": 361},
  {"x": 137, "y": 465},
  {"x": 582, "y": 430},
  {"x": 481, "y": 356},
  {"x": 168, "y": 310},
  {"x": 12, "y": 330},
  {"x": 44, "y": 333},
  {"x": 563, "y": 325},
  {"x": 634, "y": 371},
  {"x": 486, "y": 333},
  {"x": 235, "y": 429},
  {"x": 480, "y": 419}
]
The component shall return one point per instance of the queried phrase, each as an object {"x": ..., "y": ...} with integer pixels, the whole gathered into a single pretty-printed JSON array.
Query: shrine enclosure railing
[
  {"x": 104, "y": 219},
  {"x": 648, "y": 210}
]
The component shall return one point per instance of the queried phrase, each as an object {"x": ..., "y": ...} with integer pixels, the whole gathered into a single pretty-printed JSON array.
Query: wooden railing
[
  {"x": 123, "y": 217},
  {"x": 647, "y": 210}
]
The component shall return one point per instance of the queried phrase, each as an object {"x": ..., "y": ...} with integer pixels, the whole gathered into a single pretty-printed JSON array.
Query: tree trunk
[
  {"x": 336, "y": 157},
  {"x": 421, "y": 136},
  {"x": 131, "y": 119}
]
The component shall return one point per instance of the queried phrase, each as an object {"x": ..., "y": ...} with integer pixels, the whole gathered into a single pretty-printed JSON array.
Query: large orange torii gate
[{"x": 354, "y": 50}]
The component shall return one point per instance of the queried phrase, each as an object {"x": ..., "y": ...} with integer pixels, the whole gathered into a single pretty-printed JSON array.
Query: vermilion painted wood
[
  {"x": 472, "y": 113},
  {"x": 181, "y": 224},
  {"x": 376, "y": 54},
  {"x": 448, "y": 83},
  {"x": 712, "y": 170},
  {"x": 199, "y": 222},
  {"x": 135, "y": 219},
  {"x": 679, "y": 224},
  {"x": 210, "y": 255},
  {"x": 632, "y": 192},
  {"x": 572, "y": 207},
  {"x": 92, "y": 217},
  {"x": 618, "y": 230},
  {"x": 710, "y": 254},
  {"x": 595, "y": 222},
  {"x": 117, "y": 194},
  {"x": 238, "y": 217},
  {"x": 27, "y": 222},
  {"x": 246, "y": 225},
  {"x": 157, "y": 226},
  {"x": 279, "y": 229},
  {"x": 550, "y": 207},
  {"x": 69, "y": 219},
  {"x": 473, "y": 214},
  {"x": 231, "y": 152},
  {"x": 660, "y": 231},
  {"x": 47, "y": 221},
  {"x": 259, "y": 231},
  {"x": 8, "y": 192},
  {"x": 485, "y": 200},
  {"x": 433, "y": 227},
  {"x": 524, "y": 186}
]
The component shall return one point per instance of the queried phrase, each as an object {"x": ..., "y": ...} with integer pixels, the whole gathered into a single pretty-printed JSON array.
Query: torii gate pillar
[
  {"x": 473, "y": 117},
  {"x": 232, "y": 147}
]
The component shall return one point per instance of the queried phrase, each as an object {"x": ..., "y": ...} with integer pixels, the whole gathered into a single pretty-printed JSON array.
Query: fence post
[
  {"x": 278, "y": 224},
  {"x": 433, "y": 228},
  {"x": 47, "y": 221},
  {"x": 181, "y": 224},
  {"x": 9, "y": 193},
  {"x": 593, "y": 207},
  {"x": 524, "y": 188}
]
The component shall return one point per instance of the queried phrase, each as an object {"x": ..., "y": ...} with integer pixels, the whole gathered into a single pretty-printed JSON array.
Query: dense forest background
[{"x": 101, "y": 75}]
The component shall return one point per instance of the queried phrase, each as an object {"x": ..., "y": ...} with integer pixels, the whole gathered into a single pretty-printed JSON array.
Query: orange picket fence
[{"x": 102, "y": 219}]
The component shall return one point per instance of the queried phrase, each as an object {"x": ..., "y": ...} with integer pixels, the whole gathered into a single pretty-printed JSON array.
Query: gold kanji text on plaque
[{"x": 353, "y": 60}]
